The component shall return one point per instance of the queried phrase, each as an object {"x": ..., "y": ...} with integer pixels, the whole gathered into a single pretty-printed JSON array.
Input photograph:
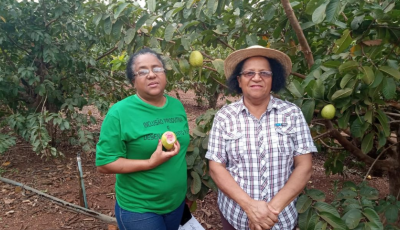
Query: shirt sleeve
[
  {"x": 110, "y": 146},
  {"x": 303, "y": 142},
  {"x": 216, "y": 144}
]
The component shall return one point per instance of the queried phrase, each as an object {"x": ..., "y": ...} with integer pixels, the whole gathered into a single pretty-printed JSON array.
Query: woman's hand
[
  {"x": 159, "y": 156},
  {"x": 261, "y": 215}
]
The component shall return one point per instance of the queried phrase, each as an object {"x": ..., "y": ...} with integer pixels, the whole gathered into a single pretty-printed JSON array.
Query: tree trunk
[{"x": 299, "y": 32}]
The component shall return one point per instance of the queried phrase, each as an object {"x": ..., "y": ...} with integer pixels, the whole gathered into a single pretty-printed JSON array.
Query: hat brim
[{"x": 236, "y": 57}]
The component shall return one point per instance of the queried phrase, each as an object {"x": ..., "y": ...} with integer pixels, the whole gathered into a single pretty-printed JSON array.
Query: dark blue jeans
[{"x": 148, "y": 221}]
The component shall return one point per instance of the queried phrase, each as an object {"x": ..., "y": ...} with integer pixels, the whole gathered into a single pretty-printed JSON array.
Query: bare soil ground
[{"x": 24, "y": 210}]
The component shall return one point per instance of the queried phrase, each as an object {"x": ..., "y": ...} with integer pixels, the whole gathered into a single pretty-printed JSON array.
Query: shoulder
[
  {"x": 229, "y": 111},
  {"x": 120, "y": 106},
  {"x": 284, "y": 106}
]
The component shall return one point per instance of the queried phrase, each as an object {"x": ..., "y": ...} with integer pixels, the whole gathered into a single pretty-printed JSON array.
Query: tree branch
[
  {"x": 209, "y": 68},
  {"x": 376, "y": 159},
  {"x": 107, "y": 53},
  {"x": 226, "y": 44},
  {"x": 298, "y": 75},
  {"x": 388, "y": 165},
  {"x": 22, "y": 48},
  {"x": 299, "y": 32}
]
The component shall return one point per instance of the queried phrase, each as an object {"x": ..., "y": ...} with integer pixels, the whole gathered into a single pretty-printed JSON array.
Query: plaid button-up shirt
[{"x": 258, "y": 153}]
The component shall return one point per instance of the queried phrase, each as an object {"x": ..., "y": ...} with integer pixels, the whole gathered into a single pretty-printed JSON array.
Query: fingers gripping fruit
[{"x": 168, "y": 140}]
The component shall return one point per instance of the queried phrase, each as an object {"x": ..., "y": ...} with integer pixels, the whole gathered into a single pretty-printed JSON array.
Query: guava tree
[
  {"x": 344, "y": 53},
  {"x": 51, "y": 65}
]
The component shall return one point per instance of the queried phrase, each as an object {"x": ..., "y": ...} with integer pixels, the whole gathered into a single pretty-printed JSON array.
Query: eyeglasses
[
  {"x": 145, "y": 72},
  {"x": 251, "y": 74}
]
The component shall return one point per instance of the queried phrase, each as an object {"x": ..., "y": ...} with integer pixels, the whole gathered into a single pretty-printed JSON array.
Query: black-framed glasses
[
  {"x": 251, "y": 74},
  {"x": 145, "y": 72}
]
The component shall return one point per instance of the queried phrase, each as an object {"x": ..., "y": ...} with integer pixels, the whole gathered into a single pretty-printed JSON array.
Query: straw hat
[{"x": 236, "y": 57}]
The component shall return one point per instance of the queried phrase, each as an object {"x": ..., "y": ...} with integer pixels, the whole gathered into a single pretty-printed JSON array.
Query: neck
[
  {"x": 256, "y": 107},
  {"x": 158, "y": 101}
]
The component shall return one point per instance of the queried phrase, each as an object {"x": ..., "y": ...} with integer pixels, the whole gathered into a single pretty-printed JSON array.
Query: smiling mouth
[{"x": 256, "y": 86}]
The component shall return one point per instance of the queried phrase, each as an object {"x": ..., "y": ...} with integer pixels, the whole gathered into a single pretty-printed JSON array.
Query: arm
[
  {"x": 260, "y": 216},
  {"x": 123, "y": 165},
  {"x": 296, "y": 183}
]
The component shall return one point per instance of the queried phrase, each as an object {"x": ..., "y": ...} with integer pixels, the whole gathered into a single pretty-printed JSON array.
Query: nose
[
  {"x": 257, "y": 77},
  {"x": 151, "y": 74}
]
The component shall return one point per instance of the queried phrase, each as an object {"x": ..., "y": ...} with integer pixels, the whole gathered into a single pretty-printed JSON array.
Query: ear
[
  {"x": 133, "y": 83},
  {"x": 239, "y": 81}
]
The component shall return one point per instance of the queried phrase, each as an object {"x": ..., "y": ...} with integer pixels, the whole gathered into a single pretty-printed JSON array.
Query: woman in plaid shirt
[{"x": 259, "y": 147}]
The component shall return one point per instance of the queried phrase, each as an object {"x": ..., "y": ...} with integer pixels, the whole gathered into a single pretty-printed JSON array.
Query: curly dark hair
[
  {"x": 130, "y": 65},
  {"x": 278, "y": 77}
]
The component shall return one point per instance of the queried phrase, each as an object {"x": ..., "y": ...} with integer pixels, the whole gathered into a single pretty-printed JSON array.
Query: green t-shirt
[{"x": 131, "y": 130}]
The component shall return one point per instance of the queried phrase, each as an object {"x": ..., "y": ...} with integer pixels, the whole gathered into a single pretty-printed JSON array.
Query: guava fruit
[
  {"x": 196, "y": 59},
  {"x": 328, "y": 112},
  {"x": 168, "y": 140}
]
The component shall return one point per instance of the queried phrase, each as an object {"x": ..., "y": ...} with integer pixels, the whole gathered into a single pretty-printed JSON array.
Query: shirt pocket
[
  {"x": 235, "y": 147},
  {"x": 285, "y": 139}
]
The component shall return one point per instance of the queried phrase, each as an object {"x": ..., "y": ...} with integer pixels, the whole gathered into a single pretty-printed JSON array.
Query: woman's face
[
  {"x": 152, "y": 85},
  {"x": 257, "y": 87}
]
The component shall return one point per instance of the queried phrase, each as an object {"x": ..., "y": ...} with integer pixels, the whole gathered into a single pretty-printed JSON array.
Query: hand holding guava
[{"x": 159, "y": 156}]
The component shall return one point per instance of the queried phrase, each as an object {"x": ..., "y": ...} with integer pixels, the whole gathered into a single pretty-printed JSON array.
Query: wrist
[{"x": 273, "y": 208}]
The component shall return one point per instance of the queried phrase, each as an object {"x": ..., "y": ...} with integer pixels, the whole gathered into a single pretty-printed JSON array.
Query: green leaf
[
  {"x": 355, "y": 24},
  {"x": 352, "y": 218},
  {"x": 116, "y": 29},
  {"x": 346, "y": 80},
  {"x": 308, "y": 110},
  {"x": 313, "y": 5},
  {"x": 383, "y": 120},
  {"x": 389, "y": 89},
  {"x": 333, "y": 220},
  {"x": 204, "y": 143},
  {"x": 321, "y": 225},
  {"x": 303, "y": 203},
  {"x": 141, "y": 21},
  {"x": 316, "y": 194},
  {"x": 367, "y": 143},
  {"x": 347, "y": 66},
  {"x": 382, "y": 140},
  {"x": 344, "y": 120},
  {"x": 373, "y": 217},
  {"x": 343, "y": 43},
  {"x": 369, "y": 76},
  {"x": 130, "y": 34},
  {"x": 368, "y": 116},
  {"x": 332, "y": 10},
  {"x": 251, "y": 39},
  {"x": 107, "y": 26},
  {"x": 196, "y": 183},
  {"x": 169, "y": 32},
  {"x": 295, "y": 88},
  {"x": 389, "y": 70},
  {"x": 120, "y": 8},
  {"x": 199, "y": 7},
  {"x": 392, "y": 213},
  {"x": 212, "y": 6},
  {"x": 369, "y": 193},
  {"x": 318, "y": 15},
  {"x": 342, "y": 93},
  {"x": 325, "y": 207},
  {"x": 219, "y": 66},
  {"x": 151, "y": 5},
  {"x": 97, "y": 19},
  {"x": 378, "y": 79},
  {"x": 332, "y": 64}
]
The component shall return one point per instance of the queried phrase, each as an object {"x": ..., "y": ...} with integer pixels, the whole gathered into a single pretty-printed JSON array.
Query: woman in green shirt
[{"x": 150, "y": 183}]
